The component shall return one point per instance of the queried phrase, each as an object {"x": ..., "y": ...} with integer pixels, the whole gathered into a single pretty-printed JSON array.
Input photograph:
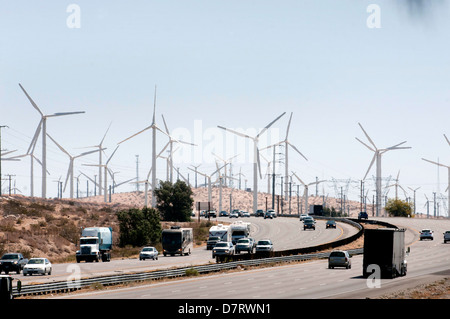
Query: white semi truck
[{"x": 95, "y": 244}]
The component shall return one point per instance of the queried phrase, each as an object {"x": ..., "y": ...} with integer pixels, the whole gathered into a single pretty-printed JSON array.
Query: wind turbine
[
  {"x": 170, "y": 144},
  {"x": 448, "y": 187},
  {"x": 43, "y": 124},
  {"x": 226, "y": 162},
  {"x": 286, "y": 151},
  {"x": 30, "y": 153},
  {"x": 100, "y": 147},
  {"x": 154, "y": 127},
  {"x": 70, "y": 169},
  {"x": 209, "y": 180},
  {"x": 306, "y": 190},
  {"x": 377, "y": 156},
  {"x": 105, "y": 167},
  {"x": 397, "y": 185},
  {"x": 256, "y": 162}
]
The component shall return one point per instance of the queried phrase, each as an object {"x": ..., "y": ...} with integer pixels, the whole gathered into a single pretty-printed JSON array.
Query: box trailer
[{"x": 384, "y": 248}]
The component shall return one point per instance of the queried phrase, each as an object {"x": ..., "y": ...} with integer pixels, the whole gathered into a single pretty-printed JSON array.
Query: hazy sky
[{"x": 237, "y": 64}]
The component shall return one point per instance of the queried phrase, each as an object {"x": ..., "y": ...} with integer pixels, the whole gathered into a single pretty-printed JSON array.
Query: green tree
[
  {"x": 398, "y": 208},
  {"x": 139, "y": 227},
  {"x": 174, "y": 201}
]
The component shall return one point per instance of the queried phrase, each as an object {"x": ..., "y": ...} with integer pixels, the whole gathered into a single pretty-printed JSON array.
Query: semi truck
[
  {"x": 384, "y": 250},
  {"x": 239, "y": 230},
  {"x": 177, "y": 240},
  {"x": 95, "y": 244}
]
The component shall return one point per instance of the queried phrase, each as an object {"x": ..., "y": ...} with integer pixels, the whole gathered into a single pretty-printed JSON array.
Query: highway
[
  {"x": 427, "y": 261},
  {"x": 285, "y": 233}
]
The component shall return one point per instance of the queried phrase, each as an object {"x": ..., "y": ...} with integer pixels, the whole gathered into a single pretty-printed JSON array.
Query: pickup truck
[{"x": 12, "y": 262}]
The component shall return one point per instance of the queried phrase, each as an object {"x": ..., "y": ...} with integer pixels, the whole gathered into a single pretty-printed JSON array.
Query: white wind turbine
[
  {"x": 286, "y": 152},
  {"x": 33, "y": 158},
  {"x": 100, "y": 148},
  {"x": 105, "y": 167},
  {"x": 154, "y": 127},
  {"x": 170, "y": 144},
  {"x": 226, "y": 162},
  {"x": 256, "y": 161},
  {"x": 70, "y": 169},
  {"x": 209, "y": 180},
  {"x": 397, "y": 185},
  {"x": 306, "y": 190},
  {"x": 43, "y": 124},
  {"x": 377, "y": 156}
]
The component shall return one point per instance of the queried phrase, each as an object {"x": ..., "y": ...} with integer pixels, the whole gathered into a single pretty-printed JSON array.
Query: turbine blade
[
  {"x": 269, "y": 125},
  {"x": 447, "y": 139},
  {"x": 112, "y": 155},
  {"x": 367, "y": 135},
  {"x": 259, "y": 163},
  {"x": 165, "y": 124},
  {"x": 297, "y": 150},
  {"x": 370, "y": 166},
  {"x": 272, "y": 145},
  {"x": 299, "y": 179},
  {"x": 101, "y": 142},
  {"x": 235, "y": 132},
  {"x": 65, "y": 113},
  {"x": 31, "y": 100},
  {"x": 289, "y": 125},
  {"x": 60, "y": 147},
  {"x": 68, "y": 174},
  {"x": 365, "y": 144},
  {"x": 35, "y": 137},
  {"x": 435, "y": 163},
  {"x": 148, "y": 127}
]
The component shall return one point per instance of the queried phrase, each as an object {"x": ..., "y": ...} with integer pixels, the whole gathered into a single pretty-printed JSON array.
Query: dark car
[
  {"x": 12, "y": 262},
  {"x": 259, "y": 213},
  {"x": 330, "y": 224},
  {"x": 363, "y": 215},
  {"x": 212, "y": 241},
  {"x": 309, "y": 224}
]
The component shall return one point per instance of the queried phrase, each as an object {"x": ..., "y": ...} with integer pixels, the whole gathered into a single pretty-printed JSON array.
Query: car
[
  {"x": 426, "y": 234},
  {"x": 268, "y": 215},
  {"x": 259, "y": 213},
  {"x": 212, "y": 241},
  {"x": 309, "y": 224},
  {"x": 245, "y": 214},
  {"x": 234, "y": 215},
  {"x": 211, "y": 213},
  {"x": 339, "y": 258},
  {"x": 330, "y": 224},
  {"x": 446, "y": 236},
  {"x": 148, "y": 252},
  {"x": 264, "y": 245},
  {"x": 37, "y": 266},
  {"x": 223, "y": 213},
  {"x": 12, "y": 262},
  {"x": 245, "y": 244},
  {"x": 363, "y": 215},
  {"x": 308, "y": 218},
  {"x": 302, "y": 216},
  {"x": 273, "y": 212},
  {"x": 223, "y": 248}
]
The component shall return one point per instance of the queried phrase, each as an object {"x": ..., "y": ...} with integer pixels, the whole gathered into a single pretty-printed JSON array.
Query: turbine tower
[
  {"x": 256, "y": 162},
  {"x": 377, "y": 156},
  {"x": 43, "y": 124},
  {"x": 286, "y": 151}
]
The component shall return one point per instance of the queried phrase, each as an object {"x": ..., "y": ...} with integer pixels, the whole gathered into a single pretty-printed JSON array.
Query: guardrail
[{"x": 293, "y": 255}]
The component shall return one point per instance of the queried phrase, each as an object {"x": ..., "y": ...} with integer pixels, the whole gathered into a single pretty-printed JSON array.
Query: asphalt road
[
  {"x": 428, "y": 261},
  {"x": 285, "y": 233}
]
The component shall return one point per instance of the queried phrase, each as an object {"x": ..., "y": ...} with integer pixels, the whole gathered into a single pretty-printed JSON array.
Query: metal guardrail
[{"x": 67, "y": 286}]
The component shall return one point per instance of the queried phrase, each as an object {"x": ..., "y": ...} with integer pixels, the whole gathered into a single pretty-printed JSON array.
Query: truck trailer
[
  {"x": 384, "y": 248},
  {"x": 95, "y": 244}
]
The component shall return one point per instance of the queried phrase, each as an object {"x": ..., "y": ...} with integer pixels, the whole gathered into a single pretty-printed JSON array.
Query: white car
[
  {"x": 302, "y": 216},
  {"x": 148, "y": 252},
  {"x": 37, "y": 266},
  {"x": 264, "y": 245},
  {"x": 426, "y": 234}
]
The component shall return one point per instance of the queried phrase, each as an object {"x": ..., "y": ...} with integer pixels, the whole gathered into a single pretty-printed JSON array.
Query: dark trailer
[
  {"x": 385, "y": 248},
  {"x": 177, "y": 240}
]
